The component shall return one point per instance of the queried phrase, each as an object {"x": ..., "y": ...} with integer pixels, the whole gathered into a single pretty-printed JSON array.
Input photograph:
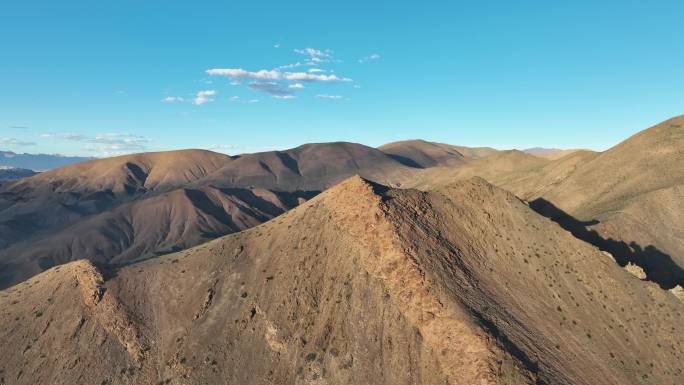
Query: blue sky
[{"x": 109, "y": 77}]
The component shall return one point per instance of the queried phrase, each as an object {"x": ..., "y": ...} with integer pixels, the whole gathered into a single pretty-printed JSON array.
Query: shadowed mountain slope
[
  {"x": 146, "y": 228},
  {"x": 362, "y": 284}
]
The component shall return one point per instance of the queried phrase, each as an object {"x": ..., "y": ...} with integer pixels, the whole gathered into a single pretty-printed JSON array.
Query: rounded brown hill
[
  {"x": 126, "y": 173},
  {"x": 420, "y": 153},
  {"x": 362, "y": 284},
  {"x": 314, "y": 166}
]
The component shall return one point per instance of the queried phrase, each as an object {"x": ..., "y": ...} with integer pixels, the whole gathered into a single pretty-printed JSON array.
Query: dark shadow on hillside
[
  {"x": 659, "y": 267},
  {"x": 405, "y": 161}
]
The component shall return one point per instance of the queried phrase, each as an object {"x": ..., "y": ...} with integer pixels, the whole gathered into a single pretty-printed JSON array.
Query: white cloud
[
  {"x": 296, "y": 85},
  {"x": 374, "y": 56},
  {"x": 284, "y": 96},
  {"x": 239, "y": 73},
  {"x": 316, "y": 70},
  {"x": 15, "y": 142},
  {"x": 326, "y": 96},
  {"x": 203, "y": 97},
  {"x": 273, "y": 75},
  {"x": 234, "y": 98},
  {"x": 276, "y": 45},
  {"x": 235, "y": 83},
  {"x": 172, "y": 99}
]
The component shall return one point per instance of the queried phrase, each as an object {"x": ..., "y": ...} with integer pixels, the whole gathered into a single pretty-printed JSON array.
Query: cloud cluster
[
  {"x": 283, "y": 82},
  {"x": 276, "y": 83},
  {"x": 203, "y": 97}
]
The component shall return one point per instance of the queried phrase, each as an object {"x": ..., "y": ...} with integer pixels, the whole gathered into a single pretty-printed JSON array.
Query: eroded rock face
[{"x": 364, "y": 285}]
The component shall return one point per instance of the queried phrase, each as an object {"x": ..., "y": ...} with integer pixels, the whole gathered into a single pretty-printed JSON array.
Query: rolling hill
[{"x": 127, "y": 208}]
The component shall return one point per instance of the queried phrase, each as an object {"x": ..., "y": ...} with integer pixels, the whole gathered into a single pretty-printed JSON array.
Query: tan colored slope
[
  {"x": 630, "y": 195},
  {"x": 420, "y": 153},
  {"x": 148, "y": 227},
  {"x": 550, "y": 154},
  {"x": 502, "y": 166},
  {"x": 651, "y": 160},
  {"x": 464, "y": 285}
]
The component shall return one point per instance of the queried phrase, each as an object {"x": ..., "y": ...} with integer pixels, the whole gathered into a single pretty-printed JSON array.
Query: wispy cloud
[
  {"x": 110, "y": 144},
  {"x": 316, "y": 70},
  {"x": 104, "y": 144},
  {"x": 333, "y": 97},
  {"x": 63, "y": 136},
  {"x": 222, "y": 147},
  {"x": 203, "y": 97},
  {"x": 276, "y": 45},
  {"x": 374, "y": 56},
  {"x": 15, "y": 142},
  {"x": 172, "y": 99},
  {"x": 296, "y": 86},
  {"x": 20, "y": 127}
]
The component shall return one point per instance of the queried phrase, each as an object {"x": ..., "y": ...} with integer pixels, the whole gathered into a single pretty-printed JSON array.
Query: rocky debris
[
  {"x": 678, "y": 292},
  {"x": 636, "y": 271}
]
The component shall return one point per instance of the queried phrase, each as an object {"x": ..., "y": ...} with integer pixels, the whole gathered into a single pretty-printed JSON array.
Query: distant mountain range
[{"x": 37, "y": 162}]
